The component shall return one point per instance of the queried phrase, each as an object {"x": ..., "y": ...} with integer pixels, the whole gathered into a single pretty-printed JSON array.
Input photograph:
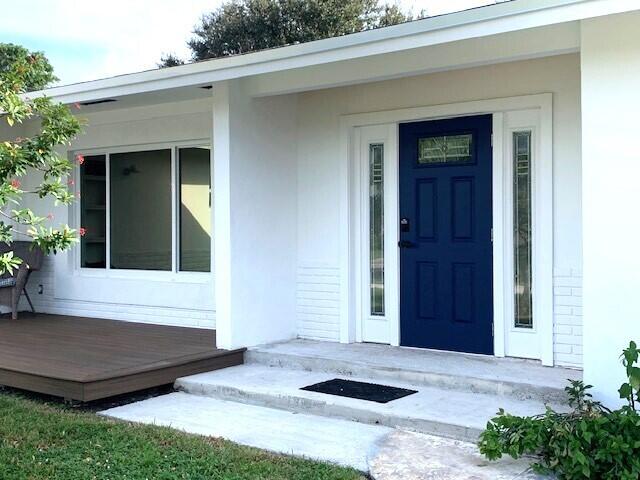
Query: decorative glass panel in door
[
  {"x": 376, "y": 227},
  {"x": 522, "y": 229},
  {"x": 445, "y": 149}
]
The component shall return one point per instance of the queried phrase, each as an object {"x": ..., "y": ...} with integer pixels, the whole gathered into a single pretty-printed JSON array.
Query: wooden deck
[{"x": 88, "y": 359}]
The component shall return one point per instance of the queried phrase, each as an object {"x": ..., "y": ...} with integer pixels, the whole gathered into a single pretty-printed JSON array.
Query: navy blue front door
[{"x": 446, "y": 261}]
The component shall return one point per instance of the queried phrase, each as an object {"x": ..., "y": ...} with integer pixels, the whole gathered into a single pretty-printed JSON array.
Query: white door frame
[
  {"x": 507, "y": 340},
  {"x": 381, "y": 329}
]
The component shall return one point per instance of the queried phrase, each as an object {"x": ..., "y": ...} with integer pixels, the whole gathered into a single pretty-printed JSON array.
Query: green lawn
[{"x": 48, "y": 441}]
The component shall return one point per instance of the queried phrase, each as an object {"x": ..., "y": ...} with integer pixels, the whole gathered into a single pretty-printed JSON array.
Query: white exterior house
[{"x": 338, "y": 167}]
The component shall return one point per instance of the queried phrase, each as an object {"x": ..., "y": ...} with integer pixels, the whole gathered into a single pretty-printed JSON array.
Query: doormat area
[{"x": 371, "y": 392}]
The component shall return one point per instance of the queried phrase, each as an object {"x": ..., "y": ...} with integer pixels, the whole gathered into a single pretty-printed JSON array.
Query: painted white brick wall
[
  {"x": 48, "y": 303},
  {"x": 567, "y": 330},
  {"x": 318, "y": 302},
  {"x": 318, "y": 309}
]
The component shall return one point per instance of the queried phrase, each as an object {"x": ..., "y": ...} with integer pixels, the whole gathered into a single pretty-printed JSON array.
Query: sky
[{"x": 90, "y": 39}]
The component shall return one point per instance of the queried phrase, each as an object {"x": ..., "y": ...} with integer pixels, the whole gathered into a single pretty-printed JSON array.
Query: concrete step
[
  {"x": 509, "y": 377},
  {"x": 449, "y": 413}
]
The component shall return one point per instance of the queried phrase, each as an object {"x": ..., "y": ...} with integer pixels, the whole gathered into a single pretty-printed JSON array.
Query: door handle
[{"x": 406, "y": 244}]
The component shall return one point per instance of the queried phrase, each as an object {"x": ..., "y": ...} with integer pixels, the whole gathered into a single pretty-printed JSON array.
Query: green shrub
[{"x": 589, "y": 442}]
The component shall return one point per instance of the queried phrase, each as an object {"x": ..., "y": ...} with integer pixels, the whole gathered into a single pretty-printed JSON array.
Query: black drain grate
[{"x": 371, "y": 392}]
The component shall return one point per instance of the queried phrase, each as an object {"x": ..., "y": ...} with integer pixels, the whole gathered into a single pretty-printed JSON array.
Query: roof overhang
[{"x": 481, "y": 22}]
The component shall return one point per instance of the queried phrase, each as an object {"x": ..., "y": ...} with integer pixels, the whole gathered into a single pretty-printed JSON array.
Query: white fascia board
[
  {"x": 508, "y": 47},
  {"x": 479, "y": 22}
]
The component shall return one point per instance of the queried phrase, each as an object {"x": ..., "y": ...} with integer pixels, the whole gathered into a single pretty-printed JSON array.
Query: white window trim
[
  {"x": 155, "y": 275},
  {"x": 351, "y": 289}
]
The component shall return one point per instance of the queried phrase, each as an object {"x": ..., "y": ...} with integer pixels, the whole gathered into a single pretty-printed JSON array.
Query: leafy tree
[
  {"x": 393, "y": 15},
  {"x": 39, "y": 75},
  {"x": 170, "y": 60},
  {"x": 241, "y": 26},
  {"x": 21, "y": 71}
]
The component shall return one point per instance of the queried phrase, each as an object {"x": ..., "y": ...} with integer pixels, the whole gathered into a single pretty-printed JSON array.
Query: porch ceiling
[{"x": 483, "y": 50}]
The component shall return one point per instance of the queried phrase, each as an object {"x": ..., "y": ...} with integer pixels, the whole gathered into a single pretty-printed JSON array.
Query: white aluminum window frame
[{"x": 157, "y": 275}]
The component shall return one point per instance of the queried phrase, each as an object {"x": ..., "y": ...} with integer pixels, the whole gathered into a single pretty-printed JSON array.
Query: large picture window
[{"x": 147, "y": 210}]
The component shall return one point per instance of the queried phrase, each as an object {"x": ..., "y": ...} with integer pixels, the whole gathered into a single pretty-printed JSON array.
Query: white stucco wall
[
  {"x": 145, "y": 296},
  {"x": 255, "y": 216},
  {"x": 318, "y": 183},
  {"x": 284, "y": 180},
  {"x": 7, "y": 132},
  {"x": 610, "y": 106}
]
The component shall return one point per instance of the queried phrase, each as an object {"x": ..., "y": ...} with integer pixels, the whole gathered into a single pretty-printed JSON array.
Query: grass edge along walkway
[{"x": 45, "y": 440}]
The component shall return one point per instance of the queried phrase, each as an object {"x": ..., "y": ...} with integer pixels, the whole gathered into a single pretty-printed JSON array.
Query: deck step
[
  {"x": 505, "y": 377},
  {"x": 449, "y": 413}
]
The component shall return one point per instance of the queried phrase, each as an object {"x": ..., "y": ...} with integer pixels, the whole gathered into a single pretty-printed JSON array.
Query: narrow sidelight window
[
  {"x": 522, "y": 229},
  {"x": 93, "y": 212},
  {"x": 195, "y": 209},
  {"x": 140, "y": 218},
  {"x": 376, "y": 227}
]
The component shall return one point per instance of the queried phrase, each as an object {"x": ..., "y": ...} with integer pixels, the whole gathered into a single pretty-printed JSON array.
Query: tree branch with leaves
[
  {"x": 242, "y": 26},
  {"x": 20, "y": 72}
]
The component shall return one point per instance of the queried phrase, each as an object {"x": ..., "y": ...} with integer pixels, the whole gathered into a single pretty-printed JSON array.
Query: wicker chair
[{"x": 12, "y": 286}]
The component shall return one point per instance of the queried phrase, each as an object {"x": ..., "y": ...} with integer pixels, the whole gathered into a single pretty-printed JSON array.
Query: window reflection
[
  {"x": 140, "y": 186},
  {"x": 195, "y": 209}
]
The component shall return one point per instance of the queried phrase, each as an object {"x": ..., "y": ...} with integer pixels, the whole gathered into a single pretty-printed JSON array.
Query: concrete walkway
[
  {"x": 341, "y": 442},
  {"x": 385, "y": 453},
  {"x": 414, "y": 456}
]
